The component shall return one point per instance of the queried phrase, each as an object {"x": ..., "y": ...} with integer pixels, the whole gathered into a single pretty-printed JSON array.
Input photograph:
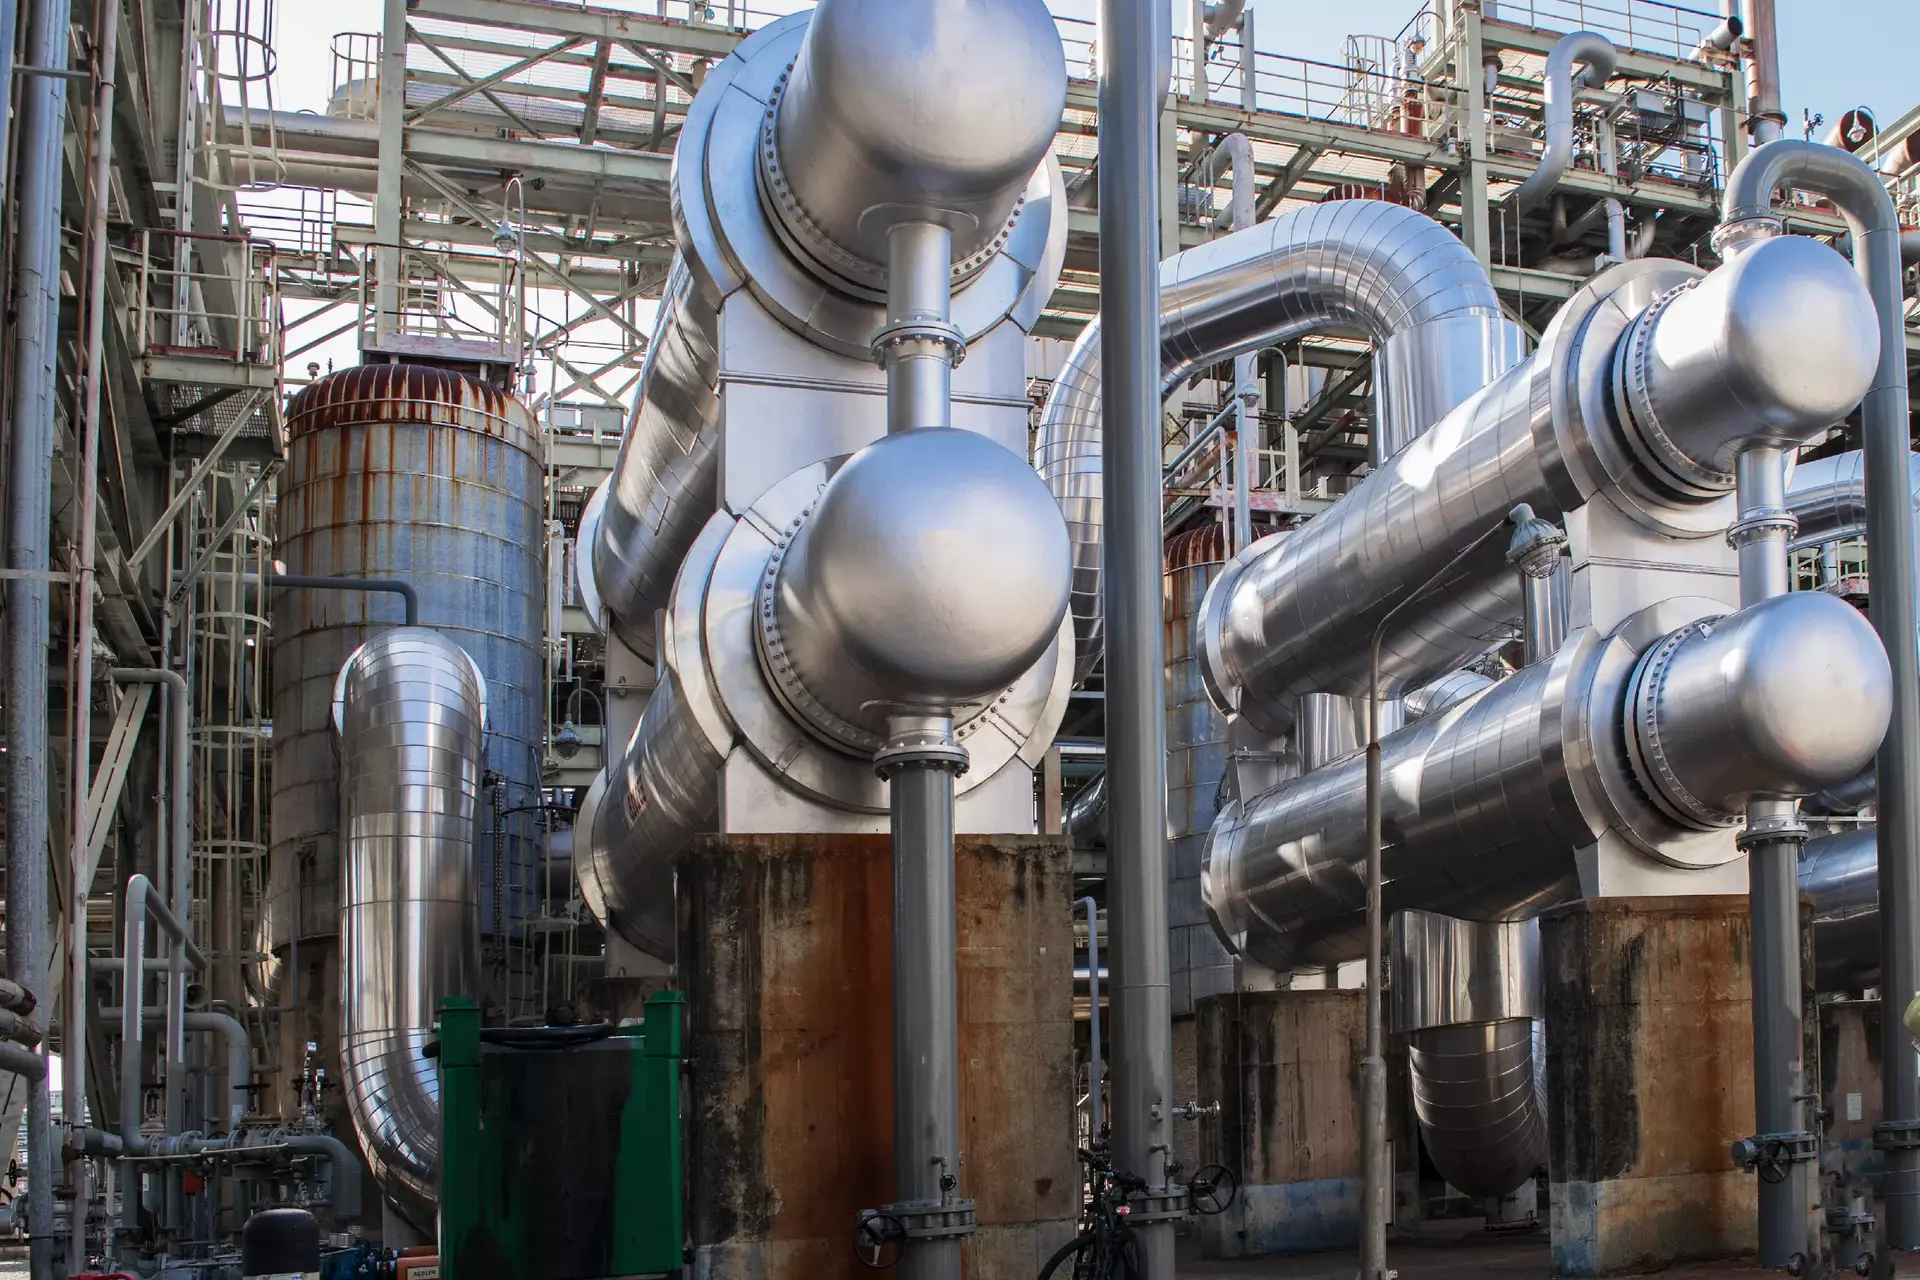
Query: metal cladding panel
[
  {"x": 416, "y": 473},
  {"x": 1479, "y": 1090}
]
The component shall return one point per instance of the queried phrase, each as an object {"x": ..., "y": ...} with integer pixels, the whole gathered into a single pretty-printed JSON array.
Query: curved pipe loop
[
  {"x": 1595, "y": 53},
  {"x": 411, "y": 722},
  {"x": 1363, "y": 264}
]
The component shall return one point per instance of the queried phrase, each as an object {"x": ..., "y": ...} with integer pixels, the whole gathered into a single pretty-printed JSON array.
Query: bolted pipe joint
[
  {"x": 1538, "y": 550},
  {"x": 1777, "y": 701},
  {"x": 1774, "y": 347}
]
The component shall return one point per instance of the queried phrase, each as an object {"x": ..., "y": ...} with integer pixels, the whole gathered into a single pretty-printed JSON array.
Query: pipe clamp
[
  {"x": 1168, "y": 1204},
  {"x": 934, "y": 1219},
  {"x": 1897, "y": 1135}
]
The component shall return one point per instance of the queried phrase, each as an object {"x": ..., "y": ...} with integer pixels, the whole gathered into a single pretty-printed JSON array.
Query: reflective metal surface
[
  {"x": 665, "y": 480},
  {"x": 1298, "y": 618},
  {"x": 1445, "y": 971},
  {"x": 1828, "y": 497},
  {"x": 1778, "y": 700},
  {"x": 930, "y": 574},
  {"x": 1579, "y": 48},
  {"x": 412, "y": 720},
  {"x": 1479, "y": 1090},
  {"x": 1364, "y": 264},
  {"x": 1840, "y": 875},
  {"x": 1447, "y": 691},
  {"x": 1772, "y": 348},
  {"x": 401, "y": 471},
  {"x": 911, "y": 109}
]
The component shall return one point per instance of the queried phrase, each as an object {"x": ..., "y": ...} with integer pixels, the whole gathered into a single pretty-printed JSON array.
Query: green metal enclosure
[{"x": 560, "y": 1160}]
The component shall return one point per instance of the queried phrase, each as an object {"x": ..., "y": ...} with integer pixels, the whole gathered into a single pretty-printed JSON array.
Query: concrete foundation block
[
  {"x": 1649, "y": 1081},
  {"x": 1283, "y": 1065},
  {"x": 785, "y": 945}
]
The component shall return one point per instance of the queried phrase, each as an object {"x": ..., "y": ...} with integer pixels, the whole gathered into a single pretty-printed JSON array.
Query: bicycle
[{"x": 1106, "y": 1247}]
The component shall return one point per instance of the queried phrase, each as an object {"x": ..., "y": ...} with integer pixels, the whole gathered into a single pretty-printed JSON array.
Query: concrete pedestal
[
  {"x": 1284, "y": 1067},
  {"x": 785, "y": 945},
  {"x": 1649, "y": 1081}
]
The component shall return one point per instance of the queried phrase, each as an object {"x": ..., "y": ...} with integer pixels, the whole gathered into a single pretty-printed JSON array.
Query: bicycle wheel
[{"x": 1072, "y": 1249}]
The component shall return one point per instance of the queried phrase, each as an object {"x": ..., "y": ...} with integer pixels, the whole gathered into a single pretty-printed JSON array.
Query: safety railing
[
  {"x": 208, "y": 296},
  {"x": 474, "y": 301},
  {"x": 1651, "y": 26}
]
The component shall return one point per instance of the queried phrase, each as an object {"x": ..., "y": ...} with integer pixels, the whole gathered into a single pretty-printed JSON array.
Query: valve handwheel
[
  {"x": 878, "y": 1240},
  {"x": 1211, "y": 1190}
]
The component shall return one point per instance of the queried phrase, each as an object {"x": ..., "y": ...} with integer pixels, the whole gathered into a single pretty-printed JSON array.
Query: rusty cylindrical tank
[{"x": 434, "y": 478}]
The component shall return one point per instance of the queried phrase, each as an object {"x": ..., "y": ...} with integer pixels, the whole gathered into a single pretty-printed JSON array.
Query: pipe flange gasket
[
  {"x": 1759, "y": 523},
  {"x": 940, "y": 333},
  {"x": 1633, "y": 394},
  {"x": 1168, "y": 1204},
  {"x": 891, "y": 759},
  {"x": 1897, "y": 1135},
  {"x": 934, "y": 1219},
  {"x": 777, "y": 665},
  {"x": 811, "y": 241},
  {"x": 1772, "y": 831},
  {"x": 1645, "y": 753}
]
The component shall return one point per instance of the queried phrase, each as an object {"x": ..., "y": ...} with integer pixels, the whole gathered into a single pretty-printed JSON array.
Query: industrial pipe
[
  {"x": 409, "y": 598},
  {"x": 1862, "y": 198},
  {"x": 409, "y": 910},
  {"x": 1788, "y": 696},
  {"x": 1132, "y": 353},
  {"x": 86, "y": 519},
  {"x": 239, "y": 1048},
  {"x": 137, "y": 902},
  {"x": 24, "y": 1062},
  {"x": 1765, "y": 119},
  {"x": 343, "y": 1170},
  {"x": 1537, "y": 549},
  {"x": 179, "y": 858},
  {"x": 1094, "y": 974},
  {"x": 35, "y": 303},
  {"x": 1793, "y": 340},
  {"x": 1595, "y": 53},
  {"x": 1401, "y": 278}
]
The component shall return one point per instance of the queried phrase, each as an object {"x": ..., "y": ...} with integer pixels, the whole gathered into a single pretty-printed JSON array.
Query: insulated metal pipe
[
  {"x": 36, "y": 307},
  {"x": 1861, "y": 197},
  {"x": 1537, "y": 550},
  {"x": 1401, "y": 278},
  {"x": 410, "y": 710},
  {"x": 1794, "y": 338},
  {"x": 80, "y": 706},
  {"x": 1132, "y": 38},
  {"x": 1765, "y": 120},
  {"x": 920, "y": 761},
  {"x": 1593, "y": 51},
  {"x": 1773, "y": 839}
]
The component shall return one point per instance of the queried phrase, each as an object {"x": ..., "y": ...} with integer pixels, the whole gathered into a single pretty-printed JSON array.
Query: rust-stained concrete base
[
  {"x": 1649, "y": 1081},
  {"x": 785, "y": 945},
  {"x": 1283, "y": 1067}
]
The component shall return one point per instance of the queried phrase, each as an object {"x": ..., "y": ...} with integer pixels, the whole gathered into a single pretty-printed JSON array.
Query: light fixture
[
  {"x": 505, "y": 238},
  {"x": 567, "y": 741}
]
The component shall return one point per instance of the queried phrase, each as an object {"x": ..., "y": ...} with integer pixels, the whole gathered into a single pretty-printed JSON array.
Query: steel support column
[
  {"x": 1132, "y": 89},
  {"x": 36, "y": 301}
]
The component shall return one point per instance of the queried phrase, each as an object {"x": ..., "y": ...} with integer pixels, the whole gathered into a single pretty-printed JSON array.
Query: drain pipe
[
  {"x": 1885, "y": 451},
  {"x": 1772, "y": 841},
  {"x": 1593, "y": 51},
  {"x": 36, "y": 303},
  {"x": 918, "y": 347},
  {"x": 1129, "y": 105},
  {"x": 1093, "y": 1015}
]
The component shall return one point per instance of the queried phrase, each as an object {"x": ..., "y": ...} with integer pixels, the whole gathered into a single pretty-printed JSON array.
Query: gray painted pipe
[
  {"x": 343, "y": 1170},
  {"x": 1135, "y": 34},
  {"x": 36, "y": 303},
  {"x": 138, "y": 900},
  {"x": 409, "y": 598},
  {"x": 239, "y": 1048},
  {"x": 1859, "y": 194},
  {"x": 1596, "y": 53},
  {"x": 22, "y": 1061}
]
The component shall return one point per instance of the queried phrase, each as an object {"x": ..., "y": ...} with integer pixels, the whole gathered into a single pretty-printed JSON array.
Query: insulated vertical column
[{"x": 1130, "y": 101}]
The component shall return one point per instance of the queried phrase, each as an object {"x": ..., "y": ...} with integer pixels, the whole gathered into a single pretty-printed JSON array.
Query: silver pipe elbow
[{"x": 1777, "y": 701}]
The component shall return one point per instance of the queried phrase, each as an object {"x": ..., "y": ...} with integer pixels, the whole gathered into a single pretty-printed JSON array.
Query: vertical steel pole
[
  {"x": 9, "y": 28},
  {"x": 74, "y": 1057},
  {"x": 1093, "y": 1016},
  {"x": 1131, "y": 89},
  {"x": 36, "y": 302},
  {"x": 920, "y": 762},
  {"x": 1773, "y": 840}
]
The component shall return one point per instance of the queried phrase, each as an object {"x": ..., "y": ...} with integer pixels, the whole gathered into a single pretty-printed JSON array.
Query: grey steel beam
[
  {"x": 1135, "y": 36},
  {"x": 592, "y": 23}
]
